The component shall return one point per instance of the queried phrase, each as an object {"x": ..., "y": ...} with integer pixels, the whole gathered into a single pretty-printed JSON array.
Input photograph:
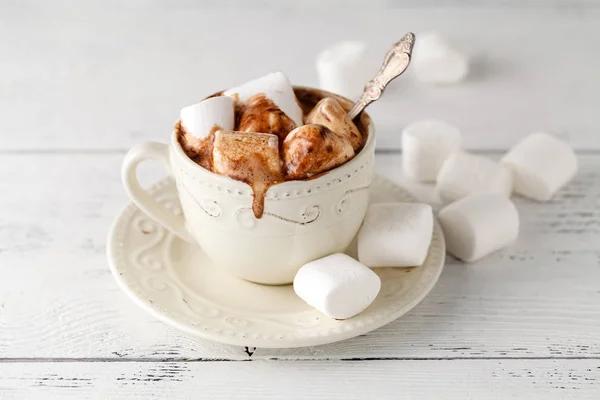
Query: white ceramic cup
[{"x": 302, "y": 221}]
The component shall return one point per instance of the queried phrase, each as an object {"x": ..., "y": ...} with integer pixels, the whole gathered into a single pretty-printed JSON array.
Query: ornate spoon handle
[{"x": 395, "y": 63}]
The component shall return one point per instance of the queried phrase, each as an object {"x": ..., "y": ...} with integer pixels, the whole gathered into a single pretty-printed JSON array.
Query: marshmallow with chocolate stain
[
  {"x": 252, "y": 158},
  {"x": 312, "y": 149},
  {"x": 276, "y": 87},
  {"x": 202, "y": 119},
  {"x": 329, "y": 112},
  {"x": 261, "y": 114}
]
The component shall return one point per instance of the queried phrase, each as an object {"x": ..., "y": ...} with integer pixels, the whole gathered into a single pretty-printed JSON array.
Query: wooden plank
[
  {"x": 538, "y": 298},
  {"x": 423, "y": 379},
  {"x": 97, "y": 75}
]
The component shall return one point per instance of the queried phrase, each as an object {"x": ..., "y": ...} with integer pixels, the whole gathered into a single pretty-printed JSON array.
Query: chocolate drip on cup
[{"x": 259, "y": 165}]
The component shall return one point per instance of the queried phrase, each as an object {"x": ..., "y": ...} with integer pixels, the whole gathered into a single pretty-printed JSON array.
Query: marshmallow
[
  {"x": 311, "y": 149},
  {"x": 247, "y": 157},
  {"x": 337, "y": 285},
  {"x": 395, "y": 235},
  {"x": 541, "y": 165},
  {"x": 260, "y": 114},
  {"x": 477, "y": 225},
  {"x": 343, "y": 68},
  {"x": 252, "y": 158},
  {"x": 330, "y": 113},
  {"x": 204, "y": 118},
  {"x": 425, "y": 146},
  {"x": 463, "y": 174},
  {"x": 275, "y": 86},
  {"x": 435, "y": 61}
]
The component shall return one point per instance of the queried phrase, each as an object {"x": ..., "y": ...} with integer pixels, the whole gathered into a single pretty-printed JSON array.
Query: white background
[
  {"x": 105, "y": 75},
  {"x": 81, "y": 82}
]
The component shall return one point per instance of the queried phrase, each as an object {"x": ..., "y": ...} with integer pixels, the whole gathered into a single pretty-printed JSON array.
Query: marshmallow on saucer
[
  {"x": 425, "y": 146},
  {"x": 477, "y": 225},
  {"x": 330, "y": 113},
  {"x": 275, "y": 86},
  {"x": 395, "y": 235},
  {"x": 343, "y": 68},
  {"x": 463, "y": 174},
  {"x": 435, "y": 61},
  {"x": 204, "y": 118},
  {"x": 337, "y": 285},
  {"x": 311, "y": 149},
  {"x": 541, "y": 165}
]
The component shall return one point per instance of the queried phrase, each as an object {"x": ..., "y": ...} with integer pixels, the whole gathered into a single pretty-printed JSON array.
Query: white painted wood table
[{"x": 80, "y": 83}]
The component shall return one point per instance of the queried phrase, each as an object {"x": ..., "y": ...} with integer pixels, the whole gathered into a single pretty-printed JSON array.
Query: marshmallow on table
[
  {"x": 541, "y": 164},
  {"x": 425, "y": 146},
  {"x": 343, "y": 68},
  {"x": 330, "y": 113},
  {"x": 477, "y": 225},
  {"x": 275, "y": 86},
  {"x": 337, "y": 285},
  {"x": 463, "y": 174},
  {"x": 311, "y": 149},
  {"x": 395, "y": 235},
  {"x": 200, "y": 120},
  {"x": 435, "y": 61}
]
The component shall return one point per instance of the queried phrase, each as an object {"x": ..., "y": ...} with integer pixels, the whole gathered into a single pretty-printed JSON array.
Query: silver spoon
[{"x": 395, "y": 63}]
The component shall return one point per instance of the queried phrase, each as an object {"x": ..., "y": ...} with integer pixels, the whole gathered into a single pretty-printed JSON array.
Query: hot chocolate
[{"x": 266, "y": 147}]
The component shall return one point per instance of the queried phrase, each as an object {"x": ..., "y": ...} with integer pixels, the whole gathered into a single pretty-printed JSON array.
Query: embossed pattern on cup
[{"x": 303, "y": 220}]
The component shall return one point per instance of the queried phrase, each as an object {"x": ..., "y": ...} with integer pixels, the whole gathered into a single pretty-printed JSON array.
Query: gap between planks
[{"x": 24, "y": 360}]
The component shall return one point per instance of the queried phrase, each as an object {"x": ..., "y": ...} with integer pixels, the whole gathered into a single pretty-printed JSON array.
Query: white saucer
[{"x": 177, "y": 283}]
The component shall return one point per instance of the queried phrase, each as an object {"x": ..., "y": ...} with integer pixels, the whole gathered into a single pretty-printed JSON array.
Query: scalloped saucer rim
[{"x": 174, "y": 281}]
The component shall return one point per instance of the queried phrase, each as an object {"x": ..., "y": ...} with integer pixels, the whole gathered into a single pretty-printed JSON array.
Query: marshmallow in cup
[
  {"x": 275, "y": 86},
  {"x": 200, "y": 119}
]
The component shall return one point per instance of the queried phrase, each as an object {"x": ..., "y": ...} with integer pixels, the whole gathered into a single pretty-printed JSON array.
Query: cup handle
[{"x": 138, "y": 154}]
